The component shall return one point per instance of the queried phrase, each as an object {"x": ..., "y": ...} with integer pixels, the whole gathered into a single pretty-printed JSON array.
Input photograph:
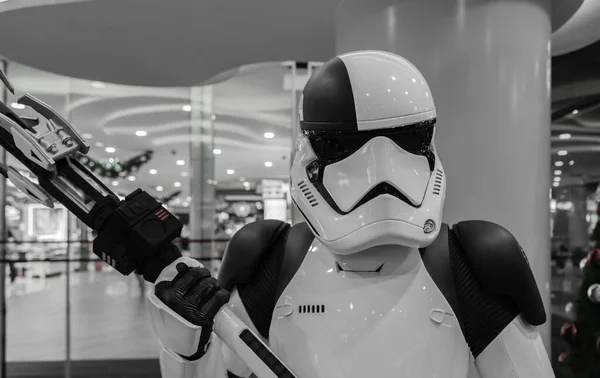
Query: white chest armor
[{"x": 376, "y": 314}]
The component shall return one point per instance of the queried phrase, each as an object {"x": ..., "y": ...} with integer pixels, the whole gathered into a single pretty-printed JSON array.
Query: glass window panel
[{"x": 36, "y": 306}]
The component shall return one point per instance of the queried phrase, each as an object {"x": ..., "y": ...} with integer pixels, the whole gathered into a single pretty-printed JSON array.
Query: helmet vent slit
[
  {"x": 311, "y": 309},
  {"x": 437, "y": 183},
  {"x": 308, "y": 194}
]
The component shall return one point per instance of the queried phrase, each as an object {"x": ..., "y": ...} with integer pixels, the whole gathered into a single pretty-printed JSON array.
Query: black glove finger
[
  {"x": 182, "y": 269},
  {"x": 203, "y": 291},
  {"x": 173, "y": 291},
  {"x": 212, "y": 307},
  {"x": 186, "y": 284}
]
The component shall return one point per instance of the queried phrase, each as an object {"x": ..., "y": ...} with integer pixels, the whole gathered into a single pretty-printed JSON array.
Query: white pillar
[
  {"x": 488, "y": 65},
  {"x": 202, "y": 169}
]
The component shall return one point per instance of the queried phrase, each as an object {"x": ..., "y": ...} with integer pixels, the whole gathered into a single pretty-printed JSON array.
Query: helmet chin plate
[{"x": 391, "y": 232}]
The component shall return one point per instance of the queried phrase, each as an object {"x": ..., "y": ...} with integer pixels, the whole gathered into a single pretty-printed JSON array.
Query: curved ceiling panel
[
  {"x": 173, "y": 43},
  {"x": 189, "y": 42},
  {"x": 580, "y": 30},
  {"x": 6, "y": 5},
  {"x": 562, "y": 11}
]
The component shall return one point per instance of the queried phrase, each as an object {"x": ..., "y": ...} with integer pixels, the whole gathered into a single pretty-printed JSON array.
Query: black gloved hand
[{"x": 197, "y": 297}]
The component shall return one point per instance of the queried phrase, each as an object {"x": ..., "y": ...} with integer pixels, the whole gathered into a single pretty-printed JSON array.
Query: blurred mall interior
[{"x": 196, "y": 102}]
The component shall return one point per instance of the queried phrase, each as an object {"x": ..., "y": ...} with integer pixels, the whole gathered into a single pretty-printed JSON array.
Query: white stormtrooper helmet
[{"x": 365, "y": 170}]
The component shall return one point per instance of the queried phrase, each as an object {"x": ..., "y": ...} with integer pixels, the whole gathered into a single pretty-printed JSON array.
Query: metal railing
[
  {"x": 22, "y": 255},
  {"x": 88, "y": 250}
]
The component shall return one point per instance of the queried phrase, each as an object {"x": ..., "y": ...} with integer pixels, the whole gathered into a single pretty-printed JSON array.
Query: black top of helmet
[{"x": 328, "y": 100}]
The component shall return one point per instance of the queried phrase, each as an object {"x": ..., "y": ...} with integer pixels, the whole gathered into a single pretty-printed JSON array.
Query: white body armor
[
  {"x": 393, "y": 323},
  {"x": 383, "y": 317}
]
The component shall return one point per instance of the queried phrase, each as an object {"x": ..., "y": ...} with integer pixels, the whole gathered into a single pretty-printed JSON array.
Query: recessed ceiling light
[
  {"x": 562, "y": 153},
  {"x": 230, "y": 171},
  {"x": 141, "y": 133},
  {"x": 159, "y": 188},
  {"x": 215, "y": 182},
  {"x": 269, "y": 135},
  {"x": 177, "y": 184},
  {"x": 177, "y": 200},
  {"x": 555, "y": 184},
  {"x": 558, "y": 163},
  {"x": 185, "y": 204},
  {"x": 213, "y": 117},
  {"x": 572, "y": 162},
  {"x": 564, "y": 136},
  {"x": 184, "y": 174},
  {"x": 98, "y": 84},
  {"x": 268, "y": 164},
  {"x": 131, "y": 178},
  {"x": 87, "y": 136},
  {"x": 111, "y": 160},
  {"x": 188, "y": 199},
  {"x": 558, "y": 172},
  {"x": 187, "y": 108},
  {"x": 99, "y": 144},
  {"x": 217, "y": 151},
  {"x": 180, "y": 162},
  {"x": 16, "y": 105},
  {"x": 153, "y": 171},
  {"x": 110, "y": 150},
  {"x": 575, "y": 111},
  {"x": 115, "y": 183},
  {"x": 246, "y": 183},
  {"x": 556, "y": 179}
]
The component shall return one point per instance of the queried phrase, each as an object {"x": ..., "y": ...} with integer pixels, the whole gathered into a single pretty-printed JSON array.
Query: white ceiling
[
  {"x": 246, "y": 106},
  {"x": 163, "y": 43},
  {"x": 186, "y": 42}
]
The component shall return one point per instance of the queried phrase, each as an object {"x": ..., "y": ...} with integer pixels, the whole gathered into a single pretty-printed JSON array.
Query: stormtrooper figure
[{"x": 372, "y": 284}]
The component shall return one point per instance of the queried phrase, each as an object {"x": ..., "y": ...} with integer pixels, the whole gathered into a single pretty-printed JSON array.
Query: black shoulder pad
[
  {"x": 247, "y": 249},
  {"x": 500, "y": 264},
  {"x": 299, "y": 240}
]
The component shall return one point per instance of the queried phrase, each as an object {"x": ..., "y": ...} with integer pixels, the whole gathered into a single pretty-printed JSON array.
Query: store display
[
  {"x": 274, "y": 199},
  {"x": 569, "y": 307},
  {"x": 582, "y": 358},
  {"x": 593, "y": 293},
  {"x": 569, "y": 332},
  {"x": 46, "y": 224},
  {"x": 114, "y": 168},
  {"x": 134, "y": 234}
]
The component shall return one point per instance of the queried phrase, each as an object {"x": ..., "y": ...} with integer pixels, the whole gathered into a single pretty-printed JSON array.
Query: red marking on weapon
[
  {"x": 160, "y": 212},
  {"x": 165, "y": 216}
]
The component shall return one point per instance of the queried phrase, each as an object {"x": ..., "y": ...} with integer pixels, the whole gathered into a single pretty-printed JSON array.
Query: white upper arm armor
[
  {"x": 179, "y": 337},
  {"x": 517, "y": 352}
]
